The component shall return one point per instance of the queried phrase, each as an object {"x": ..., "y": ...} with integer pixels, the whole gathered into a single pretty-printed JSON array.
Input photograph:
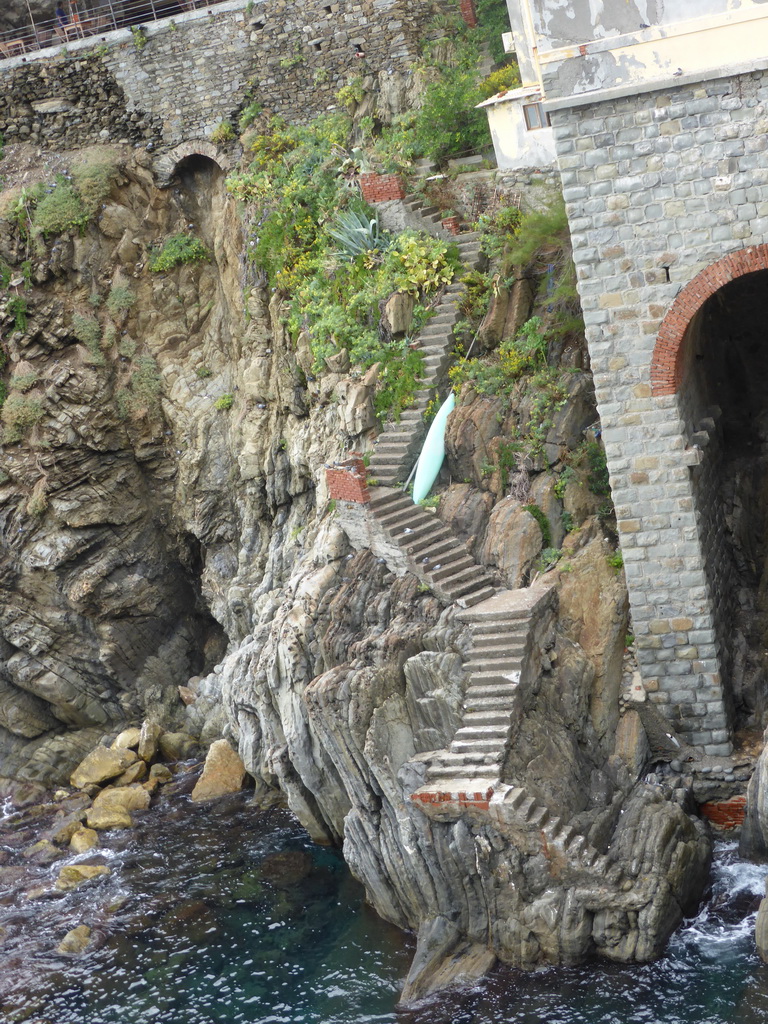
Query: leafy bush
[
  {"x": 447, "y": 123},
  {"x": 503, "y": 80},
  {"x": 61, "y": 209},
  {"x": 249, "y": 115},
  {"x": 93, "y": 179},
  {"x": 224, "y": 402},
  {"x": 88, "y": 330},
  {"x": 23, "y": 381},
  {"x": 402, "y": 368},
  {"x": 176, "y": 250},
  {"x": 540, "y": 516},
  {"x": 17, "y": 307},
  {"x": 19, "y": 414},
  {"x": 142, "y": 396},
  {"x": 121, "y": 298},
  {"x": 597, "y": 465},
  {"x": 223, "y": 132}
]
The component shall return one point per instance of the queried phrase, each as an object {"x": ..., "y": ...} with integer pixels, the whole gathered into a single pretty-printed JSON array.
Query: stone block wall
[
  {"x": 203, "y": 67},
  {"x": 658, "y": 187}
]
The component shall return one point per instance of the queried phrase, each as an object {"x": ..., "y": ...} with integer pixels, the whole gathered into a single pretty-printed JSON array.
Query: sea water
[{"x": 230, "y": 915}]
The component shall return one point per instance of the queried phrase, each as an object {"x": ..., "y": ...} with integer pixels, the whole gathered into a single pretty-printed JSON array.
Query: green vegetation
[
  {"x": 616, "y": 561},
  {"x": 401, "y": 369},
  {"x": 121, "y": 298},
  {"x": 223, "y": 132},
  {"x": 225, "y": 402},
  {"x": 17, "y": 307},
  {"x": 88, "y": 330},
  {"x": 548, "y": 559},
  {"x": 141, "y": 397},
  {"x": 540, "y": 516},
  {"x": 19, "y": 414},
  {"x": 502, "y": 81},
  {"x": 23, "y": 381},
  {"x": 176, "y": 250},
  {"x": 597, "y": 466},
  {"x": 139, "y": 37}
]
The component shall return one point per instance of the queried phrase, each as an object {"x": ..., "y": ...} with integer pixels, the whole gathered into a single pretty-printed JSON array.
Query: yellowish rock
[
  {"x": 149, "y": 740},
  {"x": 106, "y": 818},
  {"x": 101, "y": 764},
  {"x": 73, "y": 875},
  {"x": 223, "y": 773},
  {"x": 128, "y": 739},
  {"x": 83, "y": 840},
  {"x": 161, "y": 773},
  {"x": 76, "y": 940},
  {"x": 124, "y": 798},
  {"x": 136, "y": 773}
]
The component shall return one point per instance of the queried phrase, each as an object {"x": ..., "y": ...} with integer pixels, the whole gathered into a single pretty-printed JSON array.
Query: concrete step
[
  {"x": 409, "y": 534},
  {"x": 485, "y": 691},
  {"x": 399, "y": 517},
  {"x": 462, "y": 589},
  {"x": 478, "y": 595},
  {"x": 448, "y": 567},
  {"x": 461, "y": 575},
  {"x": 449, "y": 772},
  {"x": 482, "y": 718},
  {"x": 433, "y": 552},
  {"x": 484, "y": 616},
  {"x": 460, "y": 757},
  {"x": 383, "y": 498},
  {"x": 466, "y": 733},
  {"x": 490, "y": 641},
  {"x": 477, "y": 664},
  {"x": 505, "y": 677}
]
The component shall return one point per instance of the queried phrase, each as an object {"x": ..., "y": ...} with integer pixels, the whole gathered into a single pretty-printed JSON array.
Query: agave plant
[{"x": 357, "y": 234}]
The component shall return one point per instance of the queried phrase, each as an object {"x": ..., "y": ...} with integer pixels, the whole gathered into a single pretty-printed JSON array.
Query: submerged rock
[
  {"x": 76, "y": 940},
  {"x": 73, "y": 875}
]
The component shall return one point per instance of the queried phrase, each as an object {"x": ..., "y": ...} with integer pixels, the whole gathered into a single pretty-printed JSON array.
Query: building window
[{"x": 535, "y": 116}]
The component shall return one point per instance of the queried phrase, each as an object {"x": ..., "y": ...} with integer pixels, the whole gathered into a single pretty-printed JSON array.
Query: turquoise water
[{"x": 229, "y": 915}]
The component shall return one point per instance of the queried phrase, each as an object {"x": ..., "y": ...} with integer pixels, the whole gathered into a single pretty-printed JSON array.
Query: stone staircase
[
  {"x": 508, "y": 633},
  {"x": 435, "y": 555},
  {"x": 397, "y": 446}
]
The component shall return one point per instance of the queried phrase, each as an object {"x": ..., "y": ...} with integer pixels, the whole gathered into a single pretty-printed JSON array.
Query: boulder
[
  {"x": 443, "y": 959},
  {"x": 125, "y": 798},
  {"x": 42, "y": 852},
  {"x": 176, "y": 746},
  {"x": 136, "y": 773},
  {"x": 149, "y": 740},
  {"x": 106, "y": 818},
  {"x": 101, "y": 764},
  {"x": 512, "y": 541},
  {"x": 223, "y": 773},
  {"x": 75, "y": 941},
  {"x": 73, "y": 875},
  {"x": 128, "y": 738},
  {"x": 160, "y": 773},
  {"x": 398, "y": 312},
  {"x": 83, "y": 840}
]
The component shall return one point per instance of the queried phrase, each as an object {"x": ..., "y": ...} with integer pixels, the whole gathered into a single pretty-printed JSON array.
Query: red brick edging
[
  {"x": 379, "y": 188},
  {"x": 347, "y": 481},
  {"x": 667, "y": 362}
]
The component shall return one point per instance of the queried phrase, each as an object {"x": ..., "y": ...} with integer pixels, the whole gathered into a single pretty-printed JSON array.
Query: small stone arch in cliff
[
  {"x": 168, "y": 164},
  {"x": 668, "y": 362}
]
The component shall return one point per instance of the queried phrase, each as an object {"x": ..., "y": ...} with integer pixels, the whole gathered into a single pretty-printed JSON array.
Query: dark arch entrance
[{"x": 721, "y": 378}]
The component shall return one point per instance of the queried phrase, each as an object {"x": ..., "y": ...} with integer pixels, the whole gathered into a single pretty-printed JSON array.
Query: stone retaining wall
[
  {"x": 191, "y": 73},
  {"x": 659, "y": 187}
]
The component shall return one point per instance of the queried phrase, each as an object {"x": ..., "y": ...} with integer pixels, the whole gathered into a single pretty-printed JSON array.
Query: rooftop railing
[{"x": 78, "y": 22}]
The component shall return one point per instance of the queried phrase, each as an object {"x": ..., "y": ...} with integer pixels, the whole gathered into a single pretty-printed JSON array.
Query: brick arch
[{"x": 667, "y": 362}]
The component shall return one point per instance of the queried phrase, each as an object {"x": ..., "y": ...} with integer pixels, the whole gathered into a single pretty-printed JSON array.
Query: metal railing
[{"x": 76, "y": 21}]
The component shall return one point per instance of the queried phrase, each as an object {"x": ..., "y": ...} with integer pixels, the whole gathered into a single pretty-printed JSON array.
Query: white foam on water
[
  {"x": 6, "y": 808},
  {"x": 712, "y": 934}
]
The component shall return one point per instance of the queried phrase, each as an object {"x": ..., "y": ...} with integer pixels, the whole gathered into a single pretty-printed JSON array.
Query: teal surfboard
[{"x": 432, "y": 453}]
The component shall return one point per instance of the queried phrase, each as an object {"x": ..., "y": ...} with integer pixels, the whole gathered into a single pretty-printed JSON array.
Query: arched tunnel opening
[{"x": 725, "y": 400}]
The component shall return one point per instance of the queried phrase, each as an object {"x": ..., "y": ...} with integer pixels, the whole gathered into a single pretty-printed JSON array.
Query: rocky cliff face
[{"x": 165, "y": 523}]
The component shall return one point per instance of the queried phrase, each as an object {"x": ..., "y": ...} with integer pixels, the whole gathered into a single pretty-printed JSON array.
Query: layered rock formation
[{"x": 157, "y": 540}]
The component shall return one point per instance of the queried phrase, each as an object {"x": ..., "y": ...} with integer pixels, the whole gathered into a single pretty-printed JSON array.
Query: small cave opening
[
  {"x": 210, "y": 638},
  {"x": 725, "y": 399}
]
